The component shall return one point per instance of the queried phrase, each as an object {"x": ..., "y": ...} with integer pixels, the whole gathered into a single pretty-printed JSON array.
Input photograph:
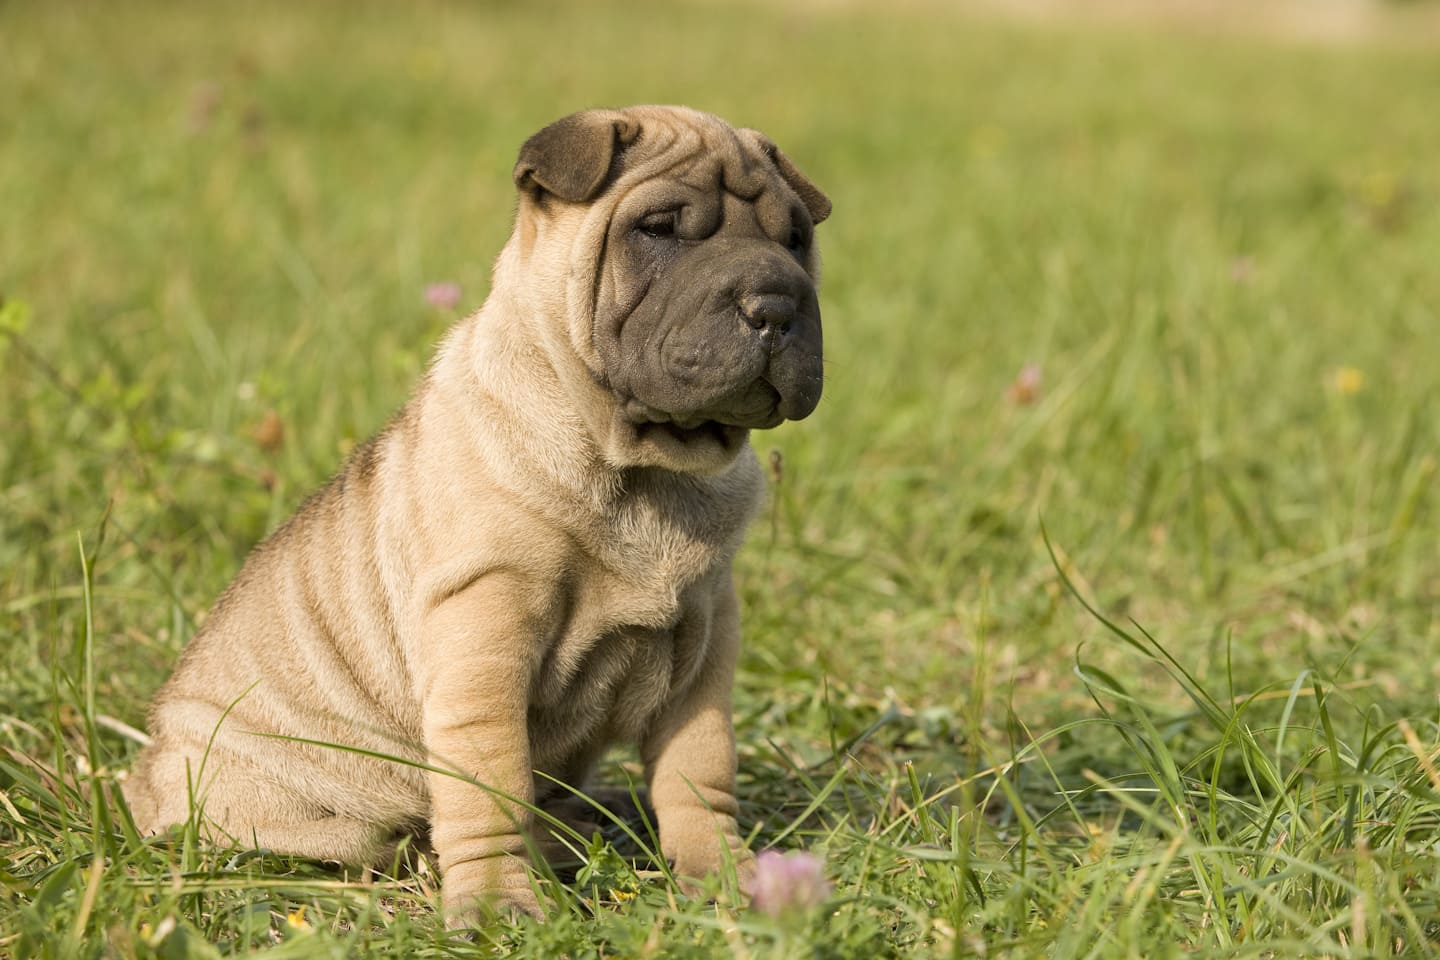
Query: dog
[{"x": 532, "y": 561}]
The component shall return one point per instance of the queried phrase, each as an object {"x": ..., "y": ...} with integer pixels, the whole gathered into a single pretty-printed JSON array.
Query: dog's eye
[
  {"x": 798, "y": 240},
  {"x": 659, "y": 225}
]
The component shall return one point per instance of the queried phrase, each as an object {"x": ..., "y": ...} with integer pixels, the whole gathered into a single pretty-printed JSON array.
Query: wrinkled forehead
[
  {"x": 692, "y": 161},
  {"x": 703, "y": 153}
]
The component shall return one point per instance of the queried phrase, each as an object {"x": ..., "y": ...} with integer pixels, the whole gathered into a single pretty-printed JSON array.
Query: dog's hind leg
[
  {"x": 331, "y": 838},
  {"x": 239, "y": 803}
]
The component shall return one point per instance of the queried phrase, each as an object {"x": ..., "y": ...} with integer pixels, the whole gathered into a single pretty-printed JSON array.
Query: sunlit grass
[{"x": 1125, "y": 320}]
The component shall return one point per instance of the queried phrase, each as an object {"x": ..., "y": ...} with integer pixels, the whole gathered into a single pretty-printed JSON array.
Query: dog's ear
[
  {"x": 812, "y": 196},
  {"x": 573, "y": 157}
]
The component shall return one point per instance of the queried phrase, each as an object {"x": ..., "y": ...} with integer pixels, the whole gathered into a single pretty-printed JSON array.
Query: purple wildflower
[
  {"x": 1242, "y": 269},
  {"x": 786, "y": 882},
  {"x": 1025, "y": 390},
  {"x": 445, "y": 296}
]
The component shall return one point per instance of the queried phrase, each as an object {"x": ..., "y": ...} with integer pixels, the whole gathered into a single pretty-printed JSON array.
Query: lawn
[{"x": 1094, "y": 613}]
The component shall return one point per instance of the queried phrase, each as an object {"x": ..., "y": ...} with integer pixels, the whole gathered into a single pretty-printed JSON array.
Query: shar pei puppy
[{"x": 532, "y": 561}]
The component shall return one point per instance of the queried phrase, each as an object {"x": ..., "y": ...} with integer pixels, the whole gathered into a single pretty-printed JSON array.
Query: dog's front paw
[
  {"x": 705, "y": 855},
  {"x": 481, "y": 890}
]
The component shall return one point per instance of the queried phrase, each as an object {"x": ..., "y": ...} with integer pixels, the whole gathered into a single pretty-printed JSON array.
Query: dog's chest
[
  {"x": 607, "y": 676},
  {"x": 638, "y": 623},
  {"x": 665, "y": 535}
]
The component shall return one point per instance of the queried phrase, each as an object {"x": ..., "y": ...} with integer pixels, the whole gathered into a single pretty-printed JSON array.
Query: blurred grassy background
[
  {"x": 1219, "y": 251},
  {"x": 239, "y": 214}
]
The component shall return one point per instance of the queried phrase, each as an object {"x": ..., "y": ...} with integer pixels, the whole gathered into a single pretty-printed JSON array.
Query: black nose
[{"x": 772, "y": 313}]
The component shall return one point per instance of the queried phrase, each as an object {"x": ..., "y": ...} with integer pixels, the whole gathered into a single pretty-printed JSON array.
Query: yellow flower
[
  {"x": 295, "y": 919},
  {"x": 155, "y": 936},
  {"x": 1347, "y": 381}
]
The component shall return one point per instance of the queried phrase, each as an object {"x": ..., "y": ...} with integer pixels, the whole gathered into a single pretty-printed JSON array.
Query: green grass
[{"x": 1224, "y": 255}]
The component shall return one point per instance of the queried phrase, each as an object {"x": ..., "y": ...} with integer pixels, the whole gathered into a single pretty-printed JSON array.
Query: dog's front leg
[
  {"x": 479, "y": 650},
  {"x": 690, "y": 763}
]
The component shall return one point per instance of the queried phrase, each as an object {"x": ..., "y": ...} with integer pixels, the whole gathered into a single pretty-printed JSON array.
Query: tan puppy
[{"x": 532, "y": 561}]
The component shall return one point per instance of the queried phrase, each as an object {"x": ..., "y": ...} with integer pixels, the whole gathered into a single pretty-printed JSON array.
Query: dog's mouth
[
  {"x": 708, "y": 431},
  {"x": 687, "y": 431},
  {"x": 758, "y": 409}
]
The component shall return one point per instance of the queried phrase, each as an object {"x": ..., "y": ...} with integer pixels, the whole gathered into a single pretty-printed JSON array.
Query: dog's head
[{"x": 690, "y": 274}]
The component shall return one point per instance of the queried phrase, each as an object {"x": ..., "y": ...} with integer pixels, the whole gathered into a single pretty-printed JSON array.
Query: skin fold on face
[{"x": 706, "y": 316}]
